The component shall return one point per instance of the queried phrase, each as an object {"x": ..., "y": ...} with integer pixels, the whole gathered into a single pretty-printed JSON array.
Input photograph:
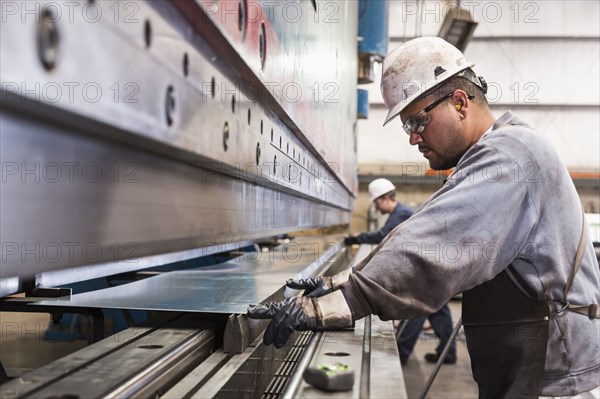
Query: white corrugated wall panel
[
  {"x": 542, "y": 60},
  {"x": 574, "y": 132}
]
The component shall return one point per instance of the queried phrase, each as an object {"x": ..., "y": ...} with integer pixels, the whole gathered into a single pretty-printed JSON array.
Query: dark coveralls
[{"x": 399, "y": 215}]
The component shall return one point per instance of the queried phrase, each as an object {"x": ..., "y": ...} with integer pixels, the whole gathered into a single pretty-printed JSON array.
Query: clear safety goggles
[{"x": 416, "y": 124}]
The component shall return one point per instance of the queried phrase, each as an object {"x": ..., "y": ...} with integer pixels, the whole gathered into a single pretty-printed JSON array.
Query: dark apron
[{"x": 507, "y": 336}]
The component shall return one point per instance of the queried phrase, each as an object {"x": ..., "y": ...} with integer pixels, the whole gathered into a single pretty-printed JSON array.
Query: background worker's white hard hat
[
  {"x": 416, "y": 67},
  {"x": 379, "y": 187}
]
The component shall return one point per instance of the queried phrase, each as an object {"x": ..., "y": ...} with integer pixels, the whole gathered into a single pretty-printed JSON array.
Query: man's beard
[{"x": 453, "y": 154}]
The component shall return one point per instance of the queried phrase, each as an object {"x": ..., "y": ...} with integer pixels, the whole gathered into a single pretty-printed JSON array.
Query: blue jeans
[{"x": 441, "y": 321}]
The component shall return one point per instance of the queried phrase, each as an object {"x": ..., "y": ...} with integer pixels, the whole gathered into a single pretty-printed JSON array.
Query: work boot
[{"x": 433, "y": 358}]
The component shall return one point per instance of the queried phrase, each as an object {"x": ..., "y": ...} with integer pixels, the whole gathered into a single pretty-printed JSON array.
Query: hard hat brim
[
  {"x": 395, "y": 111},
  {"x": 415, "y": 69}
]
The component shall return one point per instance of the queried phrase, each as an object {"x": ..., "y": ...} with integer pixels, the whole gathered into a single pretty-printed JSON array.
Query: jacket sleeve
[
  {"x": 375, "y": 237},
  {"x": 465, "y": 234}
]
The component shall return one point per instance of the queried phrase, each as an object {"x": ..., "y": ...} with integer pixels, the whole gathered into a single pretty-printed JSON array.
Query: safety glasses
[{"x": 418, "y": 122}]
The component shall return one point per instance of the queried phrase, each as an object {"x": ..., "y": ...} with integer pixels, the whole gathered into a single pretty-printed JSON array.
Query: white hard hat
[
  {"x": 379, "y": 187},
  {"x": 416, "y": 67}
]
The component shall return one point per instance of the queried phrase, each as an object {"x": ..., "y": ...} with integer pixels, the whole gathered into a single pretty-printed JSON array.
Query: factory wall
[{"x": 541, "y": 60}]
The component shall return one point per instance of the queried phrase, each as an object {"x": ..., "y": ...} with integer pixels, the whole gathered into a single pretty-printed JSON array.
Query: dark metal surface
[
  {"x": 246, "y": 375},
  {"x": 199, "y": 376},
  {"x": 365, "y": 368},
  {"x": 293, "y": 384},
  {"x": 121, "y": 361}
]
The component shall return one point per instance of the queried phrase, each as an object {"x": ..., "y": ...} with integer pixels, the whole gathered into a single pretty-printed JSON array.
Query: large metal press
[{"x": 139, "y": 138}]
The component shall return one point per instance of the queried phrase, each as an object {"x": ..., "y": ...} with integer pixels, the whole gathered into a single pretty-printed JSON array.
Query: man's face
[
  {"x": 382, "y": 204},
  {"x": 443, "y": 140}
]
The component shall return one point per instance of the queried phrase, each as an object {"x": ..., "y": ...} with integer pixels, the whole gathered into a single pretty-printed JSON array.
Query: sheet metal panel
[{"x": 227, "y": 288}]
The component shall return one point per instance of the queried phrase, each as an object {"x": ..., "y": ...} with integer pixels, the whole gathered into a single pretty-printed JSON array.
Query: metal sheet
[{"x": 227, "y": 288}]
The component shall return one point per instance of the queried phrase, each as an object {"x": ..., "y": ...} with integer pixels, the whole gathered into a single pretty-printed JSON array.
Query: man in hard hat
[
  {"x": 506, "y": 229},
  {"x": 382, "y": 193}
]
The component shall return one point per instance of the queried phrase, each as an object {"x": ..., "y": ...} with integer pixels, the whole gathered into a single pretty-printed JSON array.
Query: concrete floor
[{"x": 453, "y": 380}]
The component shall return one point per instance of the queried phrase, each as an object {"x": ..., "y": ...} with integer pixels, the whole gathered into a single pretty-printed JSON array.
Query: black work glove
[
  {"x": 313, "y": 287},
  {"x": 351, "y": 240},
  {"x": 302, "y": 313},
  {"x": 296, "y": 313}
]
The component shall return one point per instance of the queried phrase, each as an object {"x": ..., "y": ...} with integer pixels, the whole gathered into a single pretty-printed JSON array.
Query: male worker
[
  {"x": 382, "y": 193},
  {"x": 507, "y": 230}
]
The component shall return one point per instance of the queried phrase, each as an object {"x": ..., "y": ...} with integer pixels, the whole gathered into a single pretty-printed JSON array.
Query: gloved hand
[
  {"x": 315, "y": 287},
  {"x": 351, "y": 240},
  {"x": 302, "y": 313}
]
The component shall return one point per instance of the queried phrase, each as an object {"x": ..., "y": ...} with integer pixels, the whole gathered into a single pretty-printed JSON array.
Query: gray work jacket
[{"x": 510, "y": 200}]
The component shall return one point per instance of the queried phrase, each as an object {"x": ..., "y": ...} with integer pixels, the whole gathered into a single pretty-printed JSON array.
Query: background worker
[
  {"x": 510, "y": 233},
  {"x": 382, "y": 193}
]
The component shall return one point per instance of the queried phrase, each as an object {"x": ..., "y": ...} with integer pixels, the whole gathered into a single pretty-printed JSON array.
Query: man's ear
[{"x": 460, "y": 99}]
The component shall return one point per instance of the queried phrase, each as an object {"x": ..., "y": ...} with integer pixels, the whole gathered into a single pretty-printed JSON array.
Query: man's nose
[{"x": 415, "y": 138}]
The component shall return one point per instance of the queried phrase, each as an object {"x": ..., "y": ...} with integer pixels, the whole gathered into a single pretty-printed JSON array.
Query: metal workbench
[{"x": 184, "y": 353}]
